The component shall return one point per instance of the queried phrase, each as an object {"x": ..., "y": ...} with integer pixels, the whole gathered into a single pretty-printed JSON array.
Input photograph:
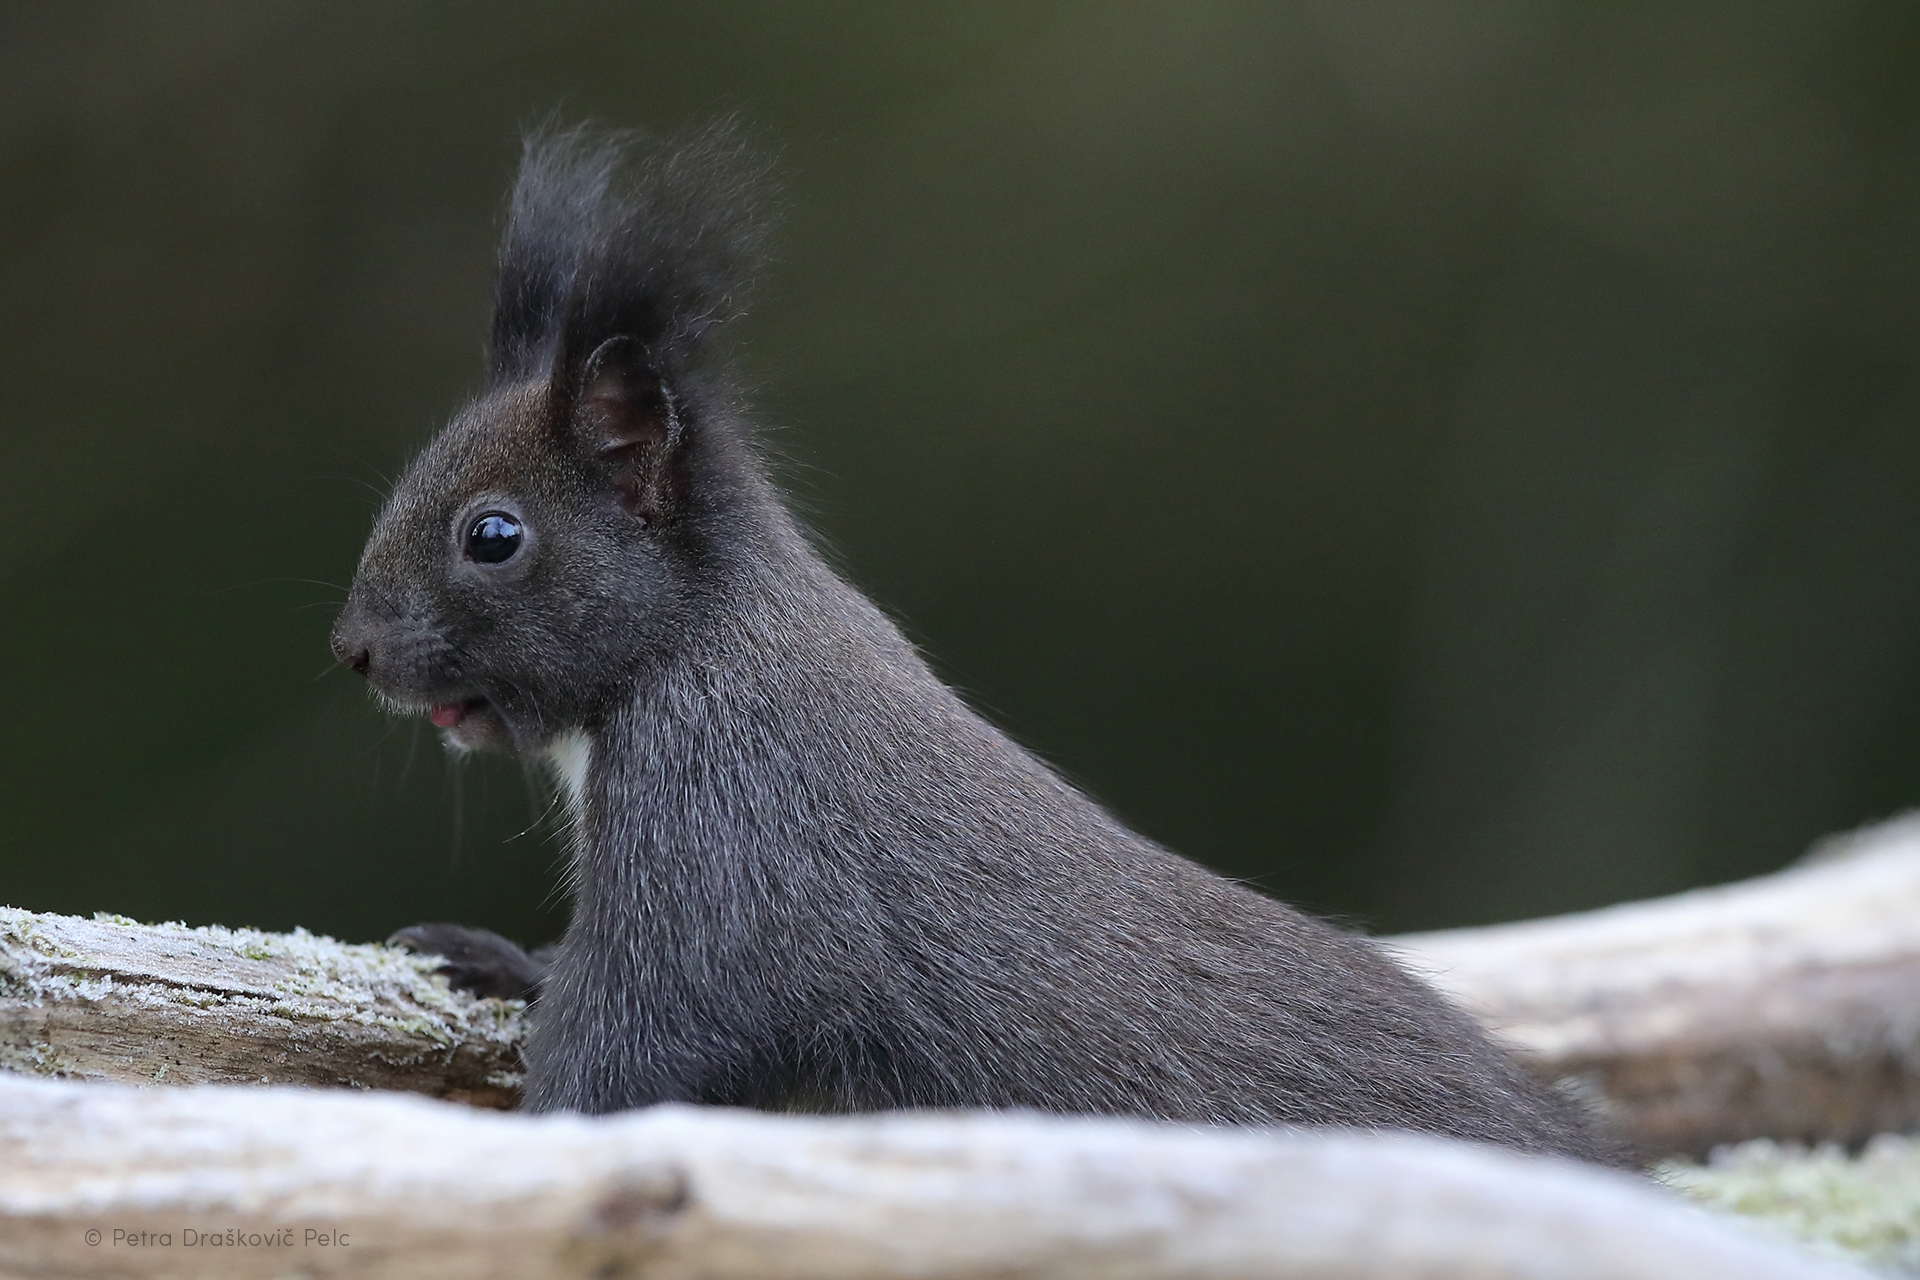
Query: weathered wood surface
[
  {"x": 1786, "y": 1006},
  {"x": 108, "y": 999},
  {"x": 410, "y": 1189}
]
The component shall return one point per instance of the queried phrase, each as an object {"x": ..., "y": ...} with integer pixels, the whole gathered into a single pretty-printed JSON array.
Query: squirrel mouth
[
  {"x": 472, "y": 724},
  {"x": 446, "y": 715}
]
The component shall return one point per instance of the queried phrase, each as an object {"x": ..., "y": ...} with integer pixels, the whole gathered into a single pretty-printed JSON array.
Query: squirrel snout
[{"x": 349, "y": 649}]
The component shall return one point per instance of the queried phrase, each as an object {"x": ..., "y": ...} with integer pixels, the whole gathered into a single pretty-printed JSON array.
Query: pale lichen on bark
[
  {"x": 110, "y": 999},
  {"x": 1785, "y": 1007}
]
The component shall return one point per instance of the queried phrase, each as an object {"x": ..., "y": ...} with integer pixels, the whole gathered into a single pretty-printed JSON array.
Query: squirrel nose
[{"x": 350, "y": 649}]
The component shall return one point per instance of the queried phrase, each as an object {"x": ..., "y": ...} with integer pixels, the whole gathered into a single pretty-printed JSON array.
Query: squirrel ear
[{"x": 627, "y": 417}]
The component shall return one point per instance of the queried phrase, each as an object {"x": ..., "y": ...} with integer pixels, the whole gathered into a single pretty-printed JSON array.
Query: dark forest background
[{"x": 1443, "y": 462}]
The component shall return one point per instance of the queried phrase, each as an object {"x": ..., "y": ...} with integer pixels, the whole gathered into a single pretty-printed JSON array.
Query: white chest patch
[{"x": 568, "y": 757}]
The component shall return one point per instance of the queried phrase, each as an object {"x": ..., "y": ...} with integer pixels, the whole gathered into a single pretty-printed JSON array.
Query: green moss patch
[{"x": 1864, "y": 1208}]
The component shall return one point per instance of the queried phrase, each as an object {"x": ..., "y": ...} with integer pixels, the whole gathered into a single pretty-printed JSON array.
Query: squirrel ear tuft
[
  {"x": 627, "y": 417},
  {"x": 613, "y": 234}
]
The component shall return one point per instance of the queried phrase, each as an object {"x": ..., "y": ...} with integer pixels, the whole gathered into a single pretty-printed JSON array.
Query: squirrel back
[{"x": 805, "y": 873}]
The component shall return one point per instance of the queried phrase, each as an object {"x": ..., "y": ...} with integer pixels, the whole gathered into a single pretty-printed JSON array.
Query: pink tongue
[{"x": 448, "y": 714}]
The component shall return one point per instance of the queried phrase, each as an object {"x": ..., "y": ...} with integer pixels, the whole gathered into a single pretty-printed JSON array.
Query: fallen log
[
  {"x": 1787, "y": 1006},
  {"x": 109, "y": 999},
  {"x": 104, "y": 1180}
]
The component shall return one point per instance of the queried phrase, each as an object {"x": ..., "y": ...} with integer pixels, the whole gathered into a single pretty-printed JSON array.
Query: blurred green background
[{"x": 1442, "y": 462}]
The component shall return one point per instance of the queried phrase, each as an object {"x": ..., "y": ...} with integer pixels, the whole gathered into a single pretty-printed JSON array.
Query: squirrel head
[{"x": 549, "y": 542}]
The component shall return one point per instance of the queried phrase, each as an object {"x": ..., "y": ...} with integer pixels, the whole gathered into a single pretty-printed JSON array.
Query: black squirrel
[{"x": 805, "y": 873}]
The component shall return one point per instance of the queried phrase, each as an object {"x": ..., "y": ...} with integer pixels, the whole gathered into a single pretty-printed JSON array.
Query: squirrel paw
[{"x": 479, "y": 961}]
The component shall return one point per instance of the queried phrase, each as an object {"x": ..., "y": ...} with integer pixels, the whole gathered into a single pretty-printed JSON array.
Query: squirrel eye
[{"x": 494, "y": 537}]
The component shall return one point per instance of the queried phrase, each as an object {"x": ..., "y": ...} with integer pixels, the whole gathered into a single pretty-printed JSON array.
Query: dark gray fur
[{"x": 806, "y": 874}]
